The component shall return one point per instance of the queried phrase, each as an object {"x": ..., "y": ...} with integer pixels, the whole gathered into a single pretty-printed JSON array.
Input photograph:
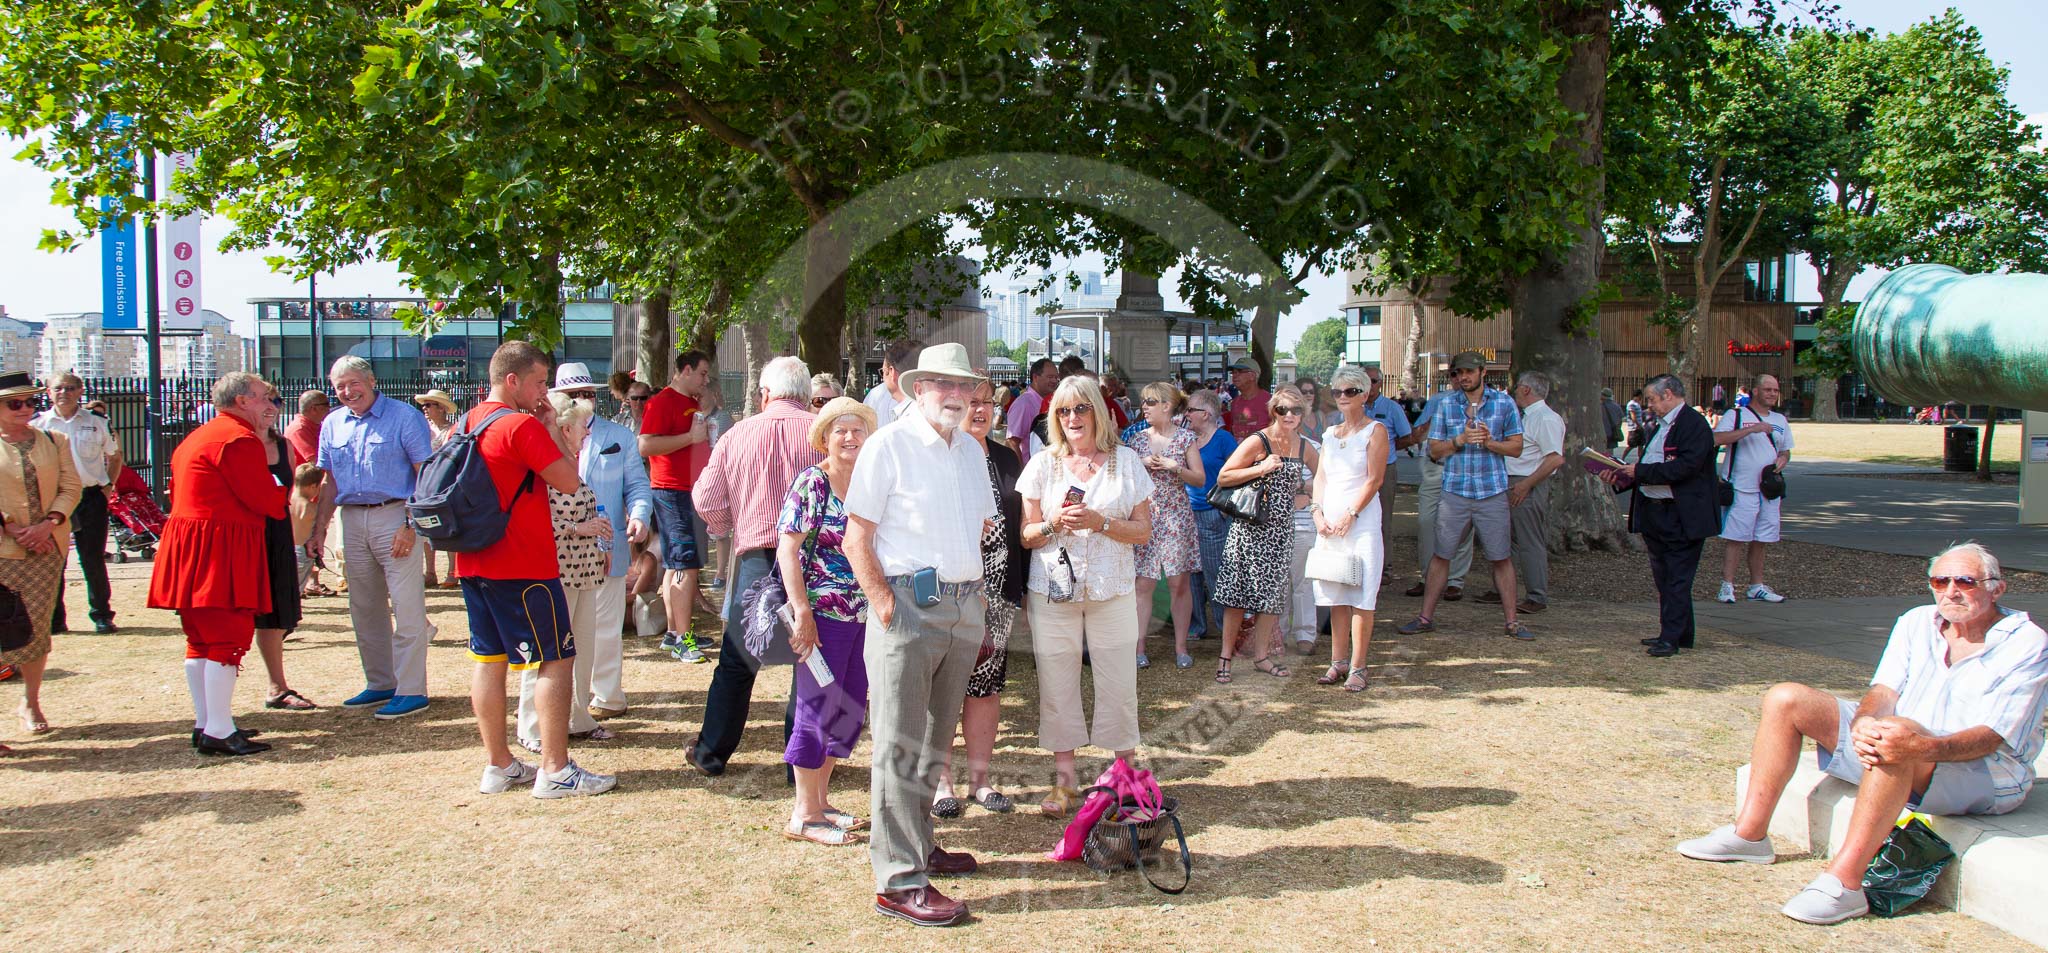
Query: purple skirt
[{"x": 829, "y": 719}]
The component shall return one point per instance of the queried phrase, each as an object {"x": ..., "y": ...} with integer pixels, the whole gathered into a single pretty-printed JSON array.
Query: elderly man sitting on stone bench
[{"x": 1951, "y": 725}]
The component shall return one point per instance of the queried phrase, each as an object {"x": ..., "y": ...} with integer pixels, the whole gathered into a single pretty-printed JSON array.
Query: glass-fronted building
[{"x": 458, "y": 351}]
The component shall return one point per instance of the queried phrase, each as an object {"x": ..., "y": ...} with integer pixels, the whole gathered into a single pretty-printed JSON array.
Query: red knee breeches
[{"x": 218, "y": 635}]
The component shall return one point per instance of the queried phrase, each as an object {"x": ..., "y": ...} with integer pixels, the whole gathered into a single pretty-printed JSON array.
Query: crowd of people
[{"x": 913, "y": 533}]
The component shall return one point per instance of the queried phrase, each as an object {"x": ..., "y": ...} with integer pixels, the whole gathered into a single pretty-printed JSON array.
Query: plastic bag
[{"x": 1905, "y": 868}]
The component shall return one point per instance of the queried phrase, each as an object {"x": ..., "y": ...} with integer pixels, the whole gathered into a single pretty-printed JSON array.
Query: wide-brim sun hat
[
  {"x": 572, "y": 375},
  {"x": 436, "y": 396},
  {"x": 834, "y": 409},
  {"x": 18, "y": 384},
  {"x": 940, "y": 360}
]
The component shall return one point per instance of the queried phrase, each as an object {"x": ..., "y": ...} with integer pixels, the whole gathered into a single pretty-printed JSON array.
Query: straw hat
[
  {"x": 939, "y": 360},
  {"x": 834, "y": 409},
  {"x": 436, "y": 396}
]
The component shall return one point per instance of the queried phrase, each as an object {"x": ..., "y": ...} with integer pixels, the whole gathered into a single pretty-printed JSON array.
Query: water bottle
[{"x": 604, "y": 543}]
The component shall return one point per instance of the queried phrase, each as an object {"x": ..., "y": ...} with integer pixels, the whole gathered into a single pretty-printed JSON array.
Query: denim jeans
[{"x": 1211, "y": 526}]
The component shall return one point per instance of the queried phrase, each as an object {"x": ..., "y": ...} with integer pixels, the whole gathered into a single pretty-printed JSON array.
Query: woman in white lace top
[{"x": 1087, "y": 505}]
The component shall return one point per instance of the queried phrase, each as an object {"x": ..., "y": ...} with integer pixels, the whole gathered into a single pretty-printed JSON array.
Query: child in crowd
[{"x": 305, "y": 507}]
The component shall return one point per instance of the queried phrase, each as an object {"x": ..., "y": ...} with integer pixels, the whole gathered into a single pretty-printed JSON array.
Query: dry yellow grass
[
  {"x": 1898, "y": 442},
  {"x": 1485, "y": 794}
]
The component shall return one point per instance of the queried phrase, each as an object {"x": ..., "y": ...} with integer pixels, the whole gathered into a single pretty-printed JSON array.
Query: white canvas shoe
[
  {"x": 499, "y": 780},
  {"x": 1723, "y": 845},
  {"x": 1826, "y": 901}
]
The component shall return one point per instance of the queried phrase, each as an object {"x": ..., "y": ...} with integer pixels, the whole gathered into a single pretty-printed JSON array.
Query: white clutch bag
[{"x": 1330, "y": 564}]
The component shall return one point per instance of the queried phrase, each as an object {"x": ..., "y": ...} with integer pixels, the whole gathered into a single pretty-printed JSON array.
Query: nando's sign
[{"x": 1740, "y": 349}]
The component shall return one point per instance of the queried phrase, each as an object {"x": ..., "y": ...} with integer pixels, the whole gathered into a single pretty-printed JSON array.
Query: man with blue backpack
[{"x": 479, "y": 498}]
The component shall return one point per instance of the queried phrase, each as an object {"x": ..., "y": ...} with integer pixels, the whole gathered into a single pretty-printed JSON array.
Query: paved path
[{"x": 1852, "y": 506}]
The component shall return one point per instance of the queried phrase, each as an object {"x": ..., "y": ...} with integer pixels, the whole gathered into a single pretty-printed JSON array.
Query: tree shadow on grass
[
  {"x": 1265, "y": 874},
  {"x": 52, "y": 830}
]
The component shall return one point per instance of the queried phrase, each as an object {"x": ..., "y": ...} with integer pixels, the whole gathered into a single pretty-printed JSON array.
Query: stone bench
[{"x": 1999, "y": 876}]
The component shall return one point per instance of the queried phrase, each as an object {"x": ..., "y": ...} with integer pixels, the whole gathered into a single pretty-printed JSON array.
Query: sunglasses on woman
[
  {"x": 817, "y": 402},
  {"x": 1078, "y": 410},
  {"x": 1286, "y": 411},
  {"x": 1348, "y": 391},
  {"x": 18, "y": 403}
]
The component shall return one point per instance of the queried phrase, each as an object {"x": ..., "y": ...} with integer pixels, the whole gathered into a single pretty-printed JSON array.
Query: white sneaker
[
  {"x": 1727, "y": 593},
  {"x": 498, "y": 780},
  {"x": 572, "y": 781},
  {"x": 1826, "y": 901},
  {"x": 1764, "y": 593},
  {"x": 1724, "y": 845}
]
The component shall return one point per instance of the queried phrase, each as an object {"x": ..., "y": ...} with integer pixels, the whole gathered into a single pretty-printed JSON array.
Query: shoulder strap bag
[
  {"x": 765, "y": 632},
  {"x": 1240, "y": 502},
  {"x": 1724, "y": 489},
  {"x": 1771, "y": 481}
]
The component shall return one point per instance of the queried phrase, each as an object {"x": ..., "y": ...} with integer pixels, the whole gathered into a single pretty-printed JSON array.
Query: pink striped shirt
[{"x": 750, "y": 471}]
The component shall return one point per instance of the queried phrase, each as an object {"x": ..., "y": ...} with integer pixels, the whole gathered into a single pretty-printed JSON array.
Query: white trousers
[
  {"x": 1109, "y": 630},
  {"x": 582, "y": 622},
  {"x": 606, "y": 648}
]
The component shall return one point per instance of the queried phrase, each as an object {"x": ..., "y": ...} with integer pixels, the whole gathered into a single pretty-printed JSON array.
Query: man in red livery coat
[{"x": 210, "y": 566}]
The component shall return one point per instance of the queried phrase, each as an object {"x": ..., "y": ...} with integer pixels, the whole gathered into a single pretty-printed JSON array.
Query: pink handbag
[{"x": 1118, "y": 785}]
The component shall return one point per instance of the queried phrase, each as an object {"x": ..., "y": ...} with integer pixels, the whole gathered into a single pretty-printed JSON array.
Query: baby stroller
[{"x": 140, "y": 522}]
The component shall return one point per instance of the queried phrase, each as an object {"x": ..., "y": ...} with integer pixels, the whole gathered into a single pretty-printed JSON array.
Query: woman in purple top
[{"x": 830, "y": 615}]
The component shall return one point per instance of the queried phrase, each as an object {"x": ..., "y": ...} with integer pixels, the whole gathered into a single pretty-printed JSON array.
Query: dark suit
[{"x": 1674, "y": 530}]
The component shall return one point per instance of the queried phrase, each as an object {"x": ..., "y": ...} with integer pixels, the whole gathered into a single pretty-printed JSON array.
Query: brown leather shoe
[
  {"x": 1454, "y": 593},
  {"x": 923, "y": 906},
  {"x": 1416, "y": 590},
  {"x": 949, "y": 863},
  {"x": 1531, "y": 608}
]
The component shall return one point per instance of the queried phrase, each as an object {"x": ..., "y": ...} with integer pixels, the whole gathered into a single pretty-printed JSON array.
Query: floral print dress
[
  {"x": 1173, "y": 548},
  {"x": 828, "y": 577}
]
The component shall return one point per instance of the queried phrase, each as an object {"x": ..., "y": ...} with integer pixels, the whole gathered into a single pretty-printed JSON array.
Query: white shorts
[{"x": 1752, "y": 519}]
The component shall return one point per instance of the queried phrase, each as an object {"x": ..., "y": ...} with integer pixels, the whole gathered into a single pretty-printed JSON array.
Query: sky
[{"x": 35, "y": 283}]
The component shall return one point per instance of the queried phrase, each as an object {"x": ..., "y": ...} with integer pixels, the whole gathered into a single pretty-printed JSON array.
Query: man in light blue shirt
[
  {"x": 372, "y": 451},
  {"x": 1471, "y": 435},
  {"x": 1384, "y": 409}
]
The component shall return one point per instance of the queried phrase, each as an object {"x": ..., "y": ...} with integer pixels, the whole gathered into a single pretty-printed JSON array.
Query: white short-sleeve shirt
[
  {"x": 926, "y": 496},
  {"x": 2004, "y": 688},
  {"x": 1755, "y": 451},
  {"x": 91, "y": 441},
  {"x": 1104, "y": 567},
  {"x": 1542, "y": 435}
]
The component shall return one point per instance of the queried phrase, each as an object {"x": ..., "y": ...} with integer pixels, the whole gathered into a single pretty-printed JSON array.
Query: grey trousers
[
  {"x": 1530, "y": 526},
  {"x": 917, "y": 678},
  {"x": 1429, "y": 493},
  {"x": 382, "y": 590}
]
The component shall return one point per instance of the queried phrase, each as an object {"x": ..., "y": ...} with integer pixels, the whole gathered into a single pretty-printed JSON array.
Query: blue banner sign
[{"x": 120, "y": 269}]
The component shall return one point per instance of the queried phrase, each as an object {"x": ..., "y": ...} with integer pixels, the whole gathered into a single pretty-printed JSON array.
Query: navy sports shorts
[
  {"x": 521, "y": 622},
  {"x": 675, "y": 519}
]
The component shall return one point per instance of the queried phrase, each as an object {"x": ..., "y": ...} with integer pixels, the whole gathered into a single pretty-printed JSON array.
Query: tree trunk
[
  {"x": 711, "y": 321},
  {"x": 825, "y": 266},
  {"x": 1556, "y": 331},
  {"x": 1984, "y": 449},
  {"x": 1266, "y": 327},
  {"x": 655, "y": 358},
  {"x": 1824, "y": 390},
  {"x": 755, "y": 335}
]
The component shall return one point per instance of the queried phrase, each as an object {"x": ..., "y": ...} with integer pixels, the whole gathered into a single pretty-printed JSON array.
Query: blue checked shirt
[
  {"x": 371, "y": 457},
  {"x": 1475, "y": 472},
  {"x": 1391, "y": 416}
]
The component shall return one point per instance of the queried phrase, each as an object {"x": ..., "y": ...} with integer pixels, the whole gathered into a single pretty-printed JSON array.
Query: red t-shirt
[
  {"x": 304, "y": 436},
  {"x": 1249, "y": 413},
  {"x": 670, "y": 412},
  {"x": 512, "y": 448}
]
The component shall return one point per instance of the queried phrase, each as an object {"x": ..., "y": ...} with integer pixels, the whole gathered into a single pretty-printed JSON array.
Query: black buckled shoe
[{"x": 234, "y": 744}]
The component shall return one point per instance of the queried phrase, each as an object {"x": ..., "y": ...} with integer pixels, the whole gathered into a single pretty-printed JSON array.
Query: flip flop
[
  {"x": 290, "y": 700},
  {"x": 845, "y": 821},
  {"x": 820, "y": 832}
]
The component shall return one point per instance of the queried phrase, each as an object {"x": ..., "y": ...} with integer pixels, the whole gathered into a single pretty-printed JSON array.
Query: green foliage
[
  {"x": 1320, "y": 349},
  {"x": 1829, "y": 355}
]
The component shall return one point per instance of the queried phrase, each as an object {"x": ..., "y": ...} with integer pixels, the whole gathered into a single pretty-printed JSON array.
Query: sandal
[
  {"x": 317, "y": 589},
  {"x": 995, "y": 802},
  {"x": 1335, "y": 674},
  {"x": 1270, "y": 667},
  {"x": 845, "y": 821},
  {"x": 600, "y": 733},
  {"x": 1358, "y": 681},
  {"x": 32, "y": 724},
  {"x": 1223, "y": 672},
  {"x": 820, "y": 832},
  {"x": 289, "y": 700},
  {"x": 948, "y": 807},
  {"x": 1060, "y": 802}
]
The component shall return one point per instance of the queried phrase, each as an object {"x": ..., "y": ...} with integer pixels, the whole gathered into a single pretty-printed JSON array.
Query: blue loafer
[
  {"x": 402, "y": 705},
  {"x": 369, "y": 697}
]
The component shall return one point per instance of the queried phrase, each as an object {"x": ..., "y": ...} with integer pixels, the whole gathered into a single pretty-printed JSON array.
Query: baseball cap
[{"x": 1471, "y": 359}]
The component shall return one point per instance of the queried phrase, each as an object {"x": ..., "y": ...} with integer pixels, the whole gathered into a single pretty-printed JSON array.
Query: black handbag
[
  {"x": 1240, "y": 502},
  {"x": 1120, "y": 840},
  {"x": 1771, "y": 482},
  {"x": 1724, "y": 491},
  {"x": 763, "y": 632}
]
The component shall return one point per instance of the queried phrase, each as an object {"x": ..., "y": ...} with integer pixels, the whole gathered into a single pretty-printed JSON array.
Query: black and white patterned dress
[
  {"x": 1258, "y": 555},
  {"x": 991, "y": 666}
]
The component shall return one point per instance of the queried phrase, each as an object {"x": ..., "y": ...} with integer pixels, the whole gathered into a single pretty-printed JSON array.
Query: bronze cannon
[{"x": 1931, "y": 333}]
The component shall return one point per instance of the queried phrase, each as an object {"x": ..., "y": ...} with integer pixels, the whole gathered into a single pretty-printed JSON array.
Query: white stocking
[
  {"x": 220, "y": 699},
  {"x": 195, "y": 682}
]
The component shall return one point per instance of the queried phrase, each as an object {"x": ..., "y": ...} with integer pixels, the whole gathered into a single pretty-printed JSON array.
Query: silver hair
[
  {"x": 1350, "y": 375},
  {"x": 1667, "y": 385},
  {"x": 825, "y": 380},
  {"x": 786, "y": 377},
  {"x": 1985, "y": 561},
  {"x": 570, "y": 410},
  {"x": 235, "y": 384},
  {"x": 351, "y": 364},
  {"x": 1207, "y": 398},
  {"x": 1537, "y": 382}
]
